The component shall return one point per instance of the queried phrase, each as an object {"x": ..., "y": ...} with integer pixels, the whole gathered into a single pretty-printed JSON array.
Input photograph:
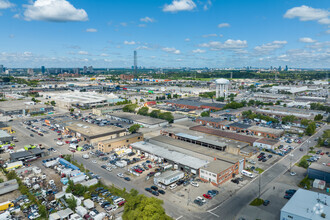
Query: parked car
[
  {"x": 154, "y": 188},
  {"x": 266, "y": 202},
  {"x": 207, "y": 196},
  {"x": 161, "y": 191}
]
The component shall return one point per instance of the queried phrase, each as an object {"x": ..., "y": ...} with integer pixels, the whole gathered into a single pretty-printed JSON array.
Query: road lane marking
[
  {"x": 213, "y": 214},
  {"x": 179, "y": 217}
]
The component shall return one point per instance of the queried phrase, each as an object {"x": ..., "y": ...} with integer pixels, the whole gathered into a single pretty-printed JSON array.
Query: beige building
[
  {"x": 107, "y": 146},
  {"x": 93, "y": 133}
]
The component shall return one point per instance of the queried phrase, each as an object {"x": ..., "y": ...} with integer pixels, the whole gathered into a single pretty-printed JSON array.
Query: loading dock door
[{"x": 241, "y": 165}]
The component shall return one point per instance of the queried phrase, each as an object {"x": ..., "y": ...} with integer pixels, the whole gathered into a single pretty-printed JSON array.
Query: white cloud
[
  {"x": 104, "y": 55},
  {"x": 124, "y": 24},
  {"x": 270, "y": 47},
  {"x": 129, "y": 42},
  {"x": 147, "y": 19},
  {"x": 327, "y": 31},
  {"x": 187, "y": 39},
  {"x": 180, "y": 5},
  {"x": 198, "y": 51},
  {"x": 55, "y": 11},
  {"x": 171, "y": 50},
  {"x": 209, "y": 35},
  {"x": 91, "y": 30},
  {"x": 143, "y": 48},
  {"x": 306, "y": 13},
  {"x": 142, "y": 25},
  {"x": 4, "y": 4},
  {"x": 207, "y": 5},
  {"x": 227, "y": 45},
  {"x": 307, "y": 40},
  {"x": 83, "y": 52},
  {"x": 222, "y": 25}
]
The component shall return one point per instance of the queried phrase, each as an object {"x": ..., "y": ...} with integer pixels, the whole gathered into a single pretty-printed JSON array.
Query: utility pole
[{"x": 259, "y": 186}]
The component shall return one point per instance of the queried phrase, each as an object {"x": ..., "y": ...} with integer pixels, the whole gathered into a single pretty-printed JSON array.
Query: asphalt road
[
  {"x": 227, "y": 210},
  {"x": 232, "y": 206}
]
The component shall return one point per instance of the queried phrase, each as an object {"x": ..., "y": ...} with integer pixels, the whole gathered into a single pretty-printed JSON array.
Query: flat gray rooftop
[
  {"x": 138, "y": 118},
  {"x": 172, "y": 155}
]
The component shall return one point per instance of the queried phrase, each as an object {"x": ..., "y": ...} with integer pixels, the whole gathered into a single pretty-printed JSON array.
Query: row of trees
[
  {"x": 156, "y": 114},
  {"x": 319, "y": 106},
  {"x": 130, "y": 108},
  {"x": 250, "y": 115}
]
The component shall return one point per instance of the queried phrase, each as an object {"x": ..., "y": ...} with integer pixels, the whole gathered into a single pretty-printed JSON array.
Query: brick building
[
  {"x": 195, "y": 105},
  {"x": 110, "y": 145}
]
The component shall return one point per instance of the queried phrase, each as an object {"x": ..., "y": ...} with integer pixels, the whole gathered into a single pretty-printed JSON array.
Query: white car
[
  {"x": 292, "y": 173},
  {"x": 59, "y": 143},
  {"x": 194, "y": 184},
  {"x": 201, "y": 199},
  {"x": 173, "y": 186},
  {"x": 94, "y": 161},
  {"x": 109, "y": 169},
  {"x": 120, "y": 175},
  {"x": 54, "y": 150}
]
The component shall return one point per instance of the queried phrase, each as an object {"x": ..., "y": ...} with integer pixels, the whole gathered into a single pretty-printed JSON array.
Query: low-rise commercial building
[
  {"x": 107, "y": 110},
  {"x": 93, "y": 133},
  {"x": 229, "y": 135},
  {"x": 194, "y": 104},
  {"x": 5, "y": 127},
  {"x": 144, "y": 121},
  {"x": 266, "y": 132},
  {"x": 26, "y": 156},
  {"x": 110, "y": 145},
  {"x": 24, "y": 108},
  {"x": 5, "y": 137},
  {"x": 183, "y": 161},
  {"x": 222, "y": 166},
  {"x": 306, "y": 205},
  {"x": 319, "y": 171},
  {"x": 8, "y": 186},
  {"x": 266, "y": 143}
]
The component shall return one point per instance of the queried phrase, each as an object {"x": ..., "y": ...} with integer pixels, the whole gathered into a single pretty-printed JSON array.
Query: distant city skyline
[{"x": 169, "y": 33}]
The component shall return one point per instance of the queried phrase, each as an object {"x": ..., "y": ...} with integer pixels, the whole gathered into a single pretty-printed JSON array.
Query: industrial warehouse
[
  {"x": 144, "y": 121},
  {"x": 93, "y": 133},
  {"x": 11, "y": 108},
  {"x": 211, "y": 165}
]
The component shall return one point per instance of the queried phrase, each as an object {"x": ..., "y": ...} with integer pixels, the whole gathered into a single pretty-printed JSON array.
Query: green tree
[
  {"x": 175, "y": 96},
  {"x": 288, "y": 118},
  {"x": 53, "y": 103},
  {"x": 304, "y": 164},
  {"x": 155, "y": 114},
  {"x": 134, "y": 128},
  {"x": 220, "y": 99},
  {"x": 169, "y": 96},
  {"x": 72, "y": 203},
  {"x": 304, "y": 122},
  {"x": 71, "y": 110},
  {"x": 130, "y": 108},
  {"x": 143, "y": 111},
  {"x": 318, "y": 117},
  {"x": 167, "y": 116},
  {"x": 205, "y": 114},
  {"x": 311, "y": 128},
  {"x": 43, "y": 211}
]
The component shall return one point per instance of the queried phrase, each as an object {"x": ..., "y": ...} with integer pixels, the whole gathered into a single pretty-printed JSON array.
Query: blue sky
[{"x": 166, "y": 33}]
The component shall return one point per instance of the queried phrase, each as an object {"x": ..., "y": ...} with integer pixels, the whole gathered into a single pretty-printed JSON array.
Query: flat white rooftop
[{"x": 308, "y": 205}]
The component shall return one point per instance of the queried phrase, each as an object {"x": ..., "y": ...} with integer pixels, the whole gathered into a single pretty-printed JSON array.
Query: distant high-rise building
[
  {"x": 1, "y": 68},
  {"x": 90, "y": 69},
  {"x": 135, "y": 60},
  {"x": 286, "y": 68},
  {"x": 30, "y": 71},
  {"x": 85, "y": 70},
  {"x": 271, "y": 67},
  {"x": 43, "y": 69},
  {"x": 279, "y": 68},
  {"x": 76, "y": 71}
]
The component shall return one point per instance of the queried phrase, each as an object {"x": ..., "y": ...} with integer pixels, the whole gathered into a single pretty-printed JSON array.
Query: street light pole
[
  {"x": 259, "y": 186},
  {"x": 291, "y": 157}
]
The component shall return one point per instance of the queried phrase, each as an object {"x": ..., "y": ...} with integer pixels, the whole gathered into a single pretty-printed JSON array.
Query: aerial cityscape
[{"x": 174, "y": 109}]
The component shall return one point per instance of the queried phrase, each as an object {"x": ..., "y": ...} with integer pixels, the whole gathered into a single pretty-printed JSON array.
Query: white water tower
[{"x": 222, "y": 87}]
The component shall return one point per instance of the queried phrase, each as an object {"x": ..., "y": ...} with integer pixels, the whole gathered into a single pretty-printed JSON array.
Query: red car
[
  {"x": 121, "y": 203},
  {"x": 67, "y": 142},
  {"x": 322, "y": 153},
  {"x": 138, "y": 170},
  {"x": 58, "y": 132},
  {"x": 207, "y": 196},
  {"x": 149, "y": 166},
  {"x": 72, "y": 151},
  {"x": 59, "y": 139}
]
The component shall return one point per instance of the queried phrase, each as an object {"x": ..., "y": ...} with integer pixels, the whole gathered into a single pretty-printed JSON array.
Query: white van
[
  {"x": 118, "y": 200},
  {"x": 247, "y": 173},
  {"x": 173, "y": 186}
]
